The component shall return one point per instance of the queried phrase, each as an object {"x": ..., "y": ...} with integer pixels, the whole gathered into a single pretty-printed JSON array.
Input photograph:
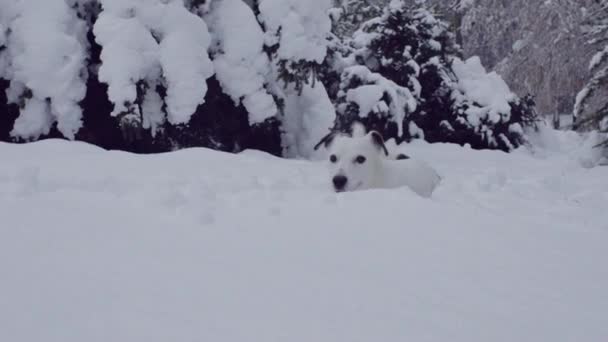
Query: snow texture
[
  {"x": 510, "y": 247},
  {"x": 299, "y": 27},
  {"x": 45, "y": 53},
  {"x": 537, "y": 46},
  {"x": 308, "y": 117},
  {"x": 369, "y": 97},
  {"x": 597, "y": 59},
  {"x": 144, "y": 39},
  {"x": 241, "y": 64},
  {"x": 6, "y": 17},
  {"x": 184, "y": 60},
  {"x": 487, "y": 90},
  {"x": 130, "y": 54}
]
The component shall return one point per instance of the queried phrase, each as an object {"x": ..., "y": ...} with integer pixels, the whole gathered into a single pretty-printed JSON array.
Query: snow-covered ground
[{"x": 199, "y": 245}]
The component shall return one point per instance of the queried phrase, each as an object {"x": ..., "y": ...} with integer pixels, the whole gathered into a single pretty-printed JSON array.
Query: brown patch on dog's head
[{"x": 378, "y": 141}]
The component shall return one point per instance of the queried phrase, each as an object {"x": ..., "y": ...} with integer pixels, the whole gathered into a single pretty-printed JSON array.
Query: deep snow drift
[{"x": 205, "y": 246}]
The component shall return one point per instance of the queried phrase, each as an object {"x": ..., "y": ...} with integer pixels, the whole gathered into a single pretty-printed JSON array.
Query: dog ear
[
  {"x": 326, "y": 140},
  {"x": 378, "y": 141}
]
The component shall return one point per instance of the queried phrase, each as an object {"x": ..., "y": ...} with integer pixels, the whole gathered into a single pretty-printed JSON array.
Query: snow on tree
[
  {"x": 242, "y": 67},
  {"x": 152, "y": 47},
  {"x": 388, "y": 52},
  {"x": 591, "y": 107},
  {"x": 155, "y": 75},
  {"x": 44, "y": 60},
  {"x": 7, "y": 15},
  {"x": 350, "y": 14},
  {"x": 296, "y": 39},
  {"x": 299, "y": 29},
  {"x": 369, "y": 97},
  {"x": 407, "y": 81},
  {"x": 486, "y": 108},
  {"x": 308, "y": 116}
]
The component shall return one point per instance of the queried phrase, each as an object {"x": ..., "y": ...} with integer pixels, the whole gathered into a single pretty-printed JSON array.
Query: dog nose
[{"x": 339, "y": 182}]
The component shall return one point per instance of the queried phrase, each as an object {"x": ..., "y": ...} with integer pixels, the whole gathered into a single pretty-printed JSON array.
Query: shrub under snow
[
  {"x": 299, "y": 28},
  {"x": 147, "y": 44},
  {"x": 297, "y": 37},
  {"x": 44, "y": 60},
  {"x": 403, "y": 77},
  {"x": 241, "y": 65},
  {"x": 155, "y": 75},
  {"x": 591, "y": 106}
]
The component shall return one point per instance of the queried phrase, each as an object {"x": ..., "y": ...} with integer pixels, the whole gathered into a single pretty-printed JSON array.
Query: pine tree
[
  {"x": 404, "y": 80},
  {"x": 349, "y": 15},
  {"x": 297, "y": 44},
  {"x": 596, "y": 117}
]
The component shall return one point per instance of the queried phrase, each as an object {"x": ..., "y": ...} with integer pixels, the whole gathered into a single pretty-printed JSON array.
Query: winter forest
[
  {"x": 303, "y": 170},
  {"x": 275, "y": 75}
]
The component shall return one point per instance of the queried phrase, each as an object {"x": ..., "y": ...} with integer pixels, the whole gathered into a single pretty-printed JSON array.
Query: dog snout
[{"x": 340, "y": 182}]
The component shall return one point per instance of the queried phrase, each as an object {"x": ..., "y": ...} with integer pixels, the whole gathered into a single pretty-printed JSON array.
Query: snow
[
  {"x": 597, "y": 59},
  {"x": 519, "y": 45},
  {"x": 487, "y": 90},
  {"x": 241, "y": 64},
  {"x": 2, "y": 35},
  {"x": 465, "y": 4},
  {"x": 573, "y": 148},
  {"x": 129, "y": 54},
  {"x": 301, "y": 27},
  {"x": 35, "y": 119},
  {"x": 184, "y": 60},
  {"x": 579, "y": 102},
  {"x": 218, "y": 247},
  {"x": 6, "y": 16},
  {"x": 46, "y": 52},
  {"x": 308, "y": 117},
  {"x": 143, "y": 40},
  {"x": 415, "y": 131},
  {"x": 369, "y": 96}
]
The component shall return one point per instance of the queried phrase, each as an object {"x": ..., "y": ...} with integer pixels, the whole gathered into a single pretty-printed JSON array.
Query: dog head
[{"x": 354, "y": 161}]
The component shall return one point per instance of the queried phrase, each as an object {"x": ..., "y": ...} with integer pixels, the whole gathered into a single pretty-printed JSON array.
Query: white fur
[{"x": 377, "y": 171}]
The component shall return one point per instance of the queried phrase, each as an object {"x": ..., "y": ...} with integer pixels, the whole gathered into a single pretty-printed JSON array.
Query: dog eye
[
  {"x": 360, "y": 160},
  {"x": 333, "y": 158}
]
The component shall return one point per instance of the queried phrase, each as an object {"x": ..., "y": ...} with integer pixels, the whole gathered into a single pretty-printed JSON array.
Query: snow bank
[
  {"x": 509, "y": 248},
  {"x": 574, "y": 148}
]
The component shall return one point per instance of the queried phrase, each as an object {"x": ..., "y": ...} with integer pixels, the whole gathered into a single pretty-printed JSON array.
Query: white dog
[{"x": 358, "y": 163}]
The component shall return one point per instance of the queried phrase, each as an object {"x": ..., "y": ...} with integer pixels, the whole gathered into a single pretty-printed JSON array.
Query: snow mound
[
  {"x": 488, "y": 90},
  {"x": 578, "y": 149},
  {"x": 199, "y": 245}
]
